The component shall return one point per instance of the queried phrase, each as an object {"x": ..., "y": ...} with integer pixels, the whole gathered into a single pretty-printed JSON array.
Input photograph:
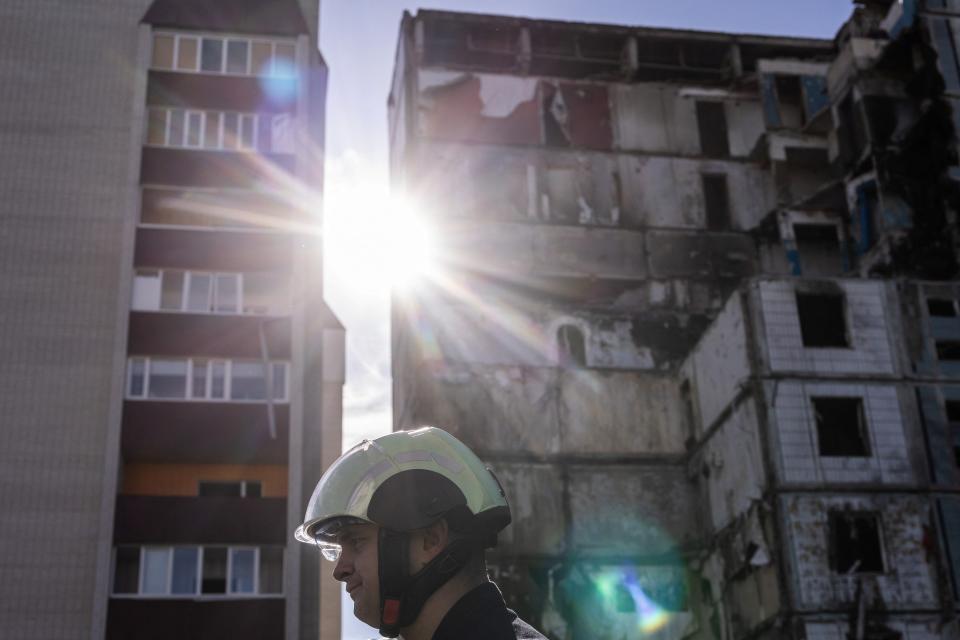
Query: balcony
[
  {"x": 221, "y": 92},
  {"x": 196, "y": 520},
  {"x": 214, "y": 250},
  {"x": 224, "y": 169},
  {"x": 260, "y": 618},
  {"x": 207, "y": 335},
  {"x": 203, "y": 432}
]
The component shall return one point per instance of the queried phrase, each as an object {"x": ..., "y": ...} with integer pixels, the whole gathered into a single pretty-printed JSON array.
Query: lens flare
[
  {"x": 624, "y": 598},
  {"x": 280, "y": 85}
]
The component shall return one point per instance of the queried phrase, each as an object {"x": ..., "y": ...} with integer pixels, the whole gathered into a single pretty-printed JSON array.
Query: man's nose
[{"x": 344, "y": 567}]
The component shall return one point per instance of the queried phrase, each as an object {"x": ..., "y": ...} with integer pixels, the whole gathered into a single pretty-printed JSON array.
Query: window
[
  {"x": 167, "y": 379},
  {"x": 201, "y": 379},
  {"x": 171, "y": 290},
  {"x": 234, "y": 489},
  {"x": 213, "y": 54},
  {"x": 185, "y": 570},
  {"x": 941, "y": 308},
  {"x": 712, "y": 125},
  {"x": 822, "y": 321},
  {"x": 218, "y": 130},
  {"x": 571, "y": 349},
  {"x": 855, "y": 545},
  {"x": 271, "y": 570},
  {"x": 138, "y": 378},
  {"x": 227, "y": 294},
  {"x": 237, "y": 51},
  {"x": 187, "y": 53},
  {"x": 948, "y": 350},
  {"x": 200, "y": 292},
  {"x": 163, "y": 52},
  {"x": 156, "y": 570},
  {"x": 841, "y": 429},
  {"x": 247, "y": 381},
  {"x": 243, "y": 570},
  {"x": 716, "y": 201},
  {"x": 819, "y": 248}
]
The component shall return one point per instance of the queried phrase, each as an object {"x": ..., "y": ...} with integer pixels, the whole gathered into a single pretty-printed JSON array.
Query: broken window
[
  {"x": 712, "y": 125},
  {"x": 850, "y": 130},
  {"x": 819, "y": 249},
  {"x": 952, "y": 409},
  {"x": 790, "y": 98},
  {"x": 841, "y": 429},
  {"x": 948, "y": 350},
  {"x": 563, "y": 193},
  {"x": 571, "y": 349},
  {"x": 941, "y": 307},
  {"x": 855, "y": 545},
  {"x": 493, "y": 38},
  {"x": 822, "y": 321},
  {"x": 716, "y": 201}
]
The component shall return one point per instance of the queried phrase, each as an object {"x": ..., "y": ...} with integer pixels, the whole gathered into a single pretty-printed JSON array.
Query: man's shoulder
[
  {"x": 482, "y": 614},
  {"x": 523, "y": 631}
]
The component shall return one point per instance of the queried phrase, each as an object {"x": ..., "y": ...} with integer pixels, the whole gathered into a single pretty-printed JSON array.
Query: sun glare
[{"x": 375, "y": 240}]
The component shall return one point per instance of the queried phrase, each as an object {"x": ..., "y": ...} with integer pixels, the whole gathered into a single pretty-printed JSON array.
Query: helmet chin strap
[{"x": 402, "y": 595}]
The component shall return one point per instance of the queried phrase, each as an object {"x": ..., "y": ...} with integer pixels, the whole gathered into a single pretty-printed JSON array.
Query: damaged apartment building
[{"x": 698, "y": 310}]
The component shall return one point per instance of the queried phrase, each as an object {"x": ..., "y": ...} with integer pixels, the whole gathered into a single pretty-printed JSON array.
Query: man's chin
[{"x": 364, "y": 616}]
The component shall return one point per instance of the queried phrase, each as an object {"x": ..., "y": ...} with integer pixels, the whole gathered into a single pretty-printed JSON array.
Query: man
[{"x": 407, "y": 518}]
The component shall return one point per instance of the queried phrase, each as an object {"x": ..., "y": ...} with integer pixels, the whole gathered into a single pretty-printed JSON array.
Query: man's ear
[{"x": 435, "y": 538}]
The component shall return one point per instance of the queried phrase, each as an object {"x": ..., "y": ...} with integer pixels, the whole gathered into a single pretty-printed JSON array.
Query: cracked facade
[{"x": 699, "y": 313}]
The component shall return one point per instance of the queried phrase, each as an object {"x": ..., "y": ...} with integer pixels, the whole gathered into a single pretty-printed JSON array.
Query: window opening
[
  {"x": 790, "y": 97},
  {"x": 126, "y": 570},
  {"x": 214, "y": 570},
  {"x": 229, "y": 489},
  {"x": 841, "y": 428},
  {"x": 822, "y": 322},
  {"x": 819, "y": 248},
  {"x": 941, "y": 307},
  {"x": 948, "y": 350},
  {"x": 855, "y": 543},
  {"x": 571, "y": 346},
  {"x": 712, "y": 125},
  {"x": 716, "y": 201}
]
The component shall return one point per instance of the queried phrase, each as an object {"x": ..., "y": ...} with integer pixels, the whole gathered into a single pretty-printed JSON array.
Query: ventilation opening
[
  {"x": 822, "y": 322},
  {"x": 716, "y": 201},
  {"x": 855, "y": 543},
  {"x": 941, "y": 308},
  {"x": 841, "y": 429},
  {"x": 571, "y": 347}
]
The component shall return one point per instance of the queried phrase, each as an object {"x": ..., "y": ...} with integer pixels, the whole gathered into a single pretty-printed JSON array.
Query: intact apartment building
[
  {"x": 171, "y": 379},
  {"x": 699, "y": 312}
]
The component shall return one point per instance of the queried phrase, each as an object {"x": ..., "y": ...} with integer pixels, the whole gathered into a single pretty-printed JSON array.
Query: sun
[{"x": 374, "y": 239}]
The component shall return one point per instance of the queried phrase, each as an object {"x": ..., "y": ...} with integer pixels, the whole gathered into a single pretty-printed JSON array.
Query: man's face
[{"x": 358, "y": 568}]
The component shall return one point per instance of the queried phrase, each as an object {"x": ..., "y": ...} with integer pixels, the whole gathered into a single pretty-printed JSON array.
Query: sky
[{"x": 358, "y": 39}]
